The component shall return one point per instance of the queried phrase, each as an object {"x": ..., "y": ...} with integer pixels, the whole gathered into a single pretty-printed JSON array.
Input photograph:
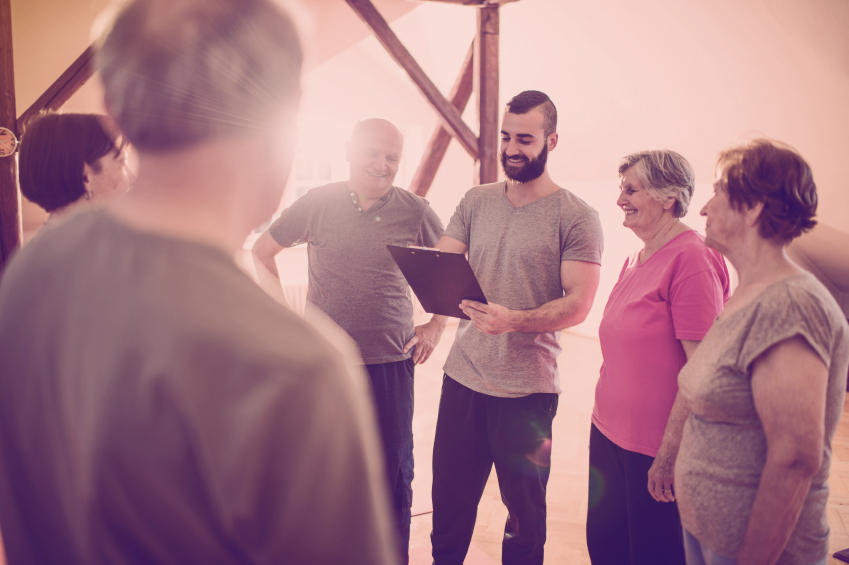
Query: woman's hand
[
  {"x": 662, "y": 471},
  {"x": 661, "y": 475}
]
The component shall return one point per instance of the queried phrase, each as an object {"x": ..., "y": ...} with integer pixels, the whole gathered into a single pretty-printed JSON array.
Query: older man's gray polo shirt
[{"x": 352, "y": 276}]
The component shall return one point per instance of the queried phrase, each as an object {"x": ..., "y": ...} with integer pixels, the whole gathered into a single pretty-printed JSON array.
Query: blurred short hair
[
  {"x": 663, "y": 174},
  {"x": 774, "y": 173},
  {"x": 54, "y": 150},
  {"x": 179, "y": 72},
  {"x": 528, "y": 100}
]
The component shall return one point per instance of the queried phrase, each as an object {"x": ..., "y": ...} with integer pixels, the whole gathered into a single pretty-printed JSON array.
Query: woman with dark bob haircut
[
  {"x": 766, "y": 385},
  {"x": 70, "y": 161}
]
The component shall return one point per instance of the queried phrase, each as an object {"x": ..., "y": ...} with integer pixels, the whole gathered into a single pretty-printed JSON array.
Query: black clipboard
[{"x": 439, "y": 279}]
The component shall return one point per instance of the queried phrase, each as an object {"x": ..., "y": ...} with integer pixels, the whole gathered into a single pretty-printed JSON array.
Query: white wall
[{"x": 690, "y": 75}]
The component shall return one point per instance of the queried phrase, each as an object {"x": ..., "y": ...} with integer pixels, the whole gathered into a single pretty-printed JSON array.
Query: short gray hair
[
  {"x": 179, "y": 72},
  {"x": 663, "y": 174}
]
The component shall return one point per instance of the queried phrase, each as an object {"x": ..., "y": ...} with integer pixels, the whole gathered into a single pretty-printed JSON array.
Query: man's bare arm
[
  {"x": 661, "y": 475},
  {"x": 579, "y": 281},
  {"x": 789, "y": 384},
  {"x": 451, "y": 245},
  {"x": 265, "y": 250}
]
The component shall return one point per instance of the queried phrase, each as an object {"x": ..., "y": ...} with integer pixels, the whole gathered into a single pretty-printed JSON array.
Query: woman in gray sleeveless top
[{"x": 766, "y": 385}]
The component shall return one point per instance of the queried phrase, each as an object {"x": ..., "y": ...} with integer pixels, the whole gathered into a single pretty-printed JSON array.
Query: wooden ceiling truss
[{"x": 479, "y": 73}]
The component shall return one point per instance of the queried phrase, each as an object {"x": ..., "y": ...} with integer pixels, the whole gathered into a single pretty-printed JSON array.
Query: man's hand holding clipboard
[{"x": 441, "y": 280}]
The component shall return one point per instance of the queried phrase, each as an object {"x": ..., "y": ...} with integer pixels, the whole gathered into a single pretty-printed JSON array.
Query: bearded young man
[
  {"x": 353, "y": 279},
  {"x": 536, "y": 250}
]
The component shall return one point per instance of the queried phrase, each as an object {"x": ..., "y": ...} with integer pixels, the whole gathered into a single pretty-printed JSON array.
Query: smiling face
[
  {"x": 643, "y": 213},
  {"x": 524, "y": 145},
  {"x": 374, "y": 154}
]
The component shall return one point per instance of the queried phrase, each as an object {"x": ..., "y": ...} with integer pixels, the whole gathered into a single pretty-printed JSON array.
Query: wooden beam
[
  {"x": 448, "y": 113},
  {"x": 10, "y": 202},
  {"x": 486, "y": 86},
  {"x": 62, "y": 89},
  {"x": 475, "y": 3},
  {"x": 438, "y": 144}
]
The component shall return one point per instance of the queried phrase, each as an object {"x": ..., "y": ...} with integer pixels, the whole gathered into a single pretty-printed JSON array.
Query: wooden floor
[
  {"x": 567, "y": 488},
  {"x": 567, "y": 504}
]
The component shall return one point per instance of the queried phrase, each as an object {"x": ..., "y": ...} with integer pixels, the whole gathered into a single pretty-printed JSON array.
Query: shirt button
[{"x": 360, "y": 209}]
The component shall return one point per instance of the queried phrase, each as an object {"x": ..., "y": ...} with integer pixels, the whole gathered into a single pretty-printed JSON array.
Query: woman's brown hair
[
  {"x": 54, "y": 150},
  {"x": 775, "y": 174}
]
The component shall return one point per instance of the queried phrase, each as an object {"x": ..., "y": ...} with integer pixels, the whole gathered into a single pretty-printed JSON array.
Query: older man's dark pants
[
  {"x": 392, "y": 387},
  {"x": 473, "y": 432}
]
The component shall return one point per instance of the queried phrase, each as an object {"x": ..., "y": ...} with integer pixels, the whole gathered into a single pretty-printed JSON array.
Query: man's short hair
[
  {"x": 54, "y": 151},
  {"x": 774, "y": 173},
  {"x": 179, "y": 72},
  {"x": 663, "y": 174},
  {"x": 528, "y": 100}
]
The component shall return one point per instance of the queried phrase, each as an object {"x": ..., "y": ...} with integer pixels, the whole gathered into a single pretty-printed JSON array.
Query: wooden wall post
[
  {"x": 62, "y": 88},
  {"x": 486, "y": 86},
  {"x": 438, "y": 144},
  {"x": 10, "y": 203},
  {"x": 447, "y": 112}
]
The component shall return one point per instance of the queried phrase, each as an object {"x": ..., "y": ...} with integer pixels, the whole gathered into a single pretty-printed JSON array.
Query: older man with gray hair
[
  {"x": 156, "y": 406},
  {"x": 353, "y": 279}
]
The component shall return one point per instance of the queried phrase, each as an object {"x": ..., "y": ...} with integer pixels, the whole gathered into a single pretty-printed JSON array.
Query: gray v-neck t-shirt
[
  {"x": 352, "y": 277},
  {"x": 515, "y": 254},
  {"x": 723, "y": 450}
]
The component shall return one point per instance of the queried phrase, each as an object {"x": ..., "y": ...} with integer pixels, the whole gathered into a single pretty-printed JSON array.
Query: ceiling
[{"x": 49, "y": 34}]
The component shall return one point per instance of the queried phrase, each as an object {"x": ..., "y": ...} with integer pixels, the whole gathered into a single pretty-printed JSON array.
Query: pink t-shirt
[{"x": 674, "y": 295}]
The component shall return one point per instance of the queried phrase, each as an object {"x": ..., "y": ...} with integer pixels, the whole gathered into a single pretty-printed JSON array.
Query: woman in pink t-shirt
[{"x": 664, "y": 302}]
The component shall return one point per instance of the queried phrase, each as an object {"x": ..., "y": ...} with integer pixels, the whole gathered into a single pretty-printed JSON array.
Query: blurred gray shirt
[{"x": 156, "y": 406}]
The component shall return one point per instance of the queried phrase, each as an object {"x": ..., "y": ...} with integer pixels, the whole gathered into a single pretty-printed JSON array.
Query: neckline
[
  {"x": 662, "y": 247},
  {"x": 105, "y": 217},
  {"x": 507, "y": 200},
  {"x": 352, "y": 197}
]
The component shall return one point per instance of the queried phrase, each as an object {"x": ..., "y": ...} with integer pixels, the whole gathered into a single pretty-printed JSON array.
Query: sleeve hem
[
  {"x": 793, "y": 332},
  {"x": 691, "y": 335}
]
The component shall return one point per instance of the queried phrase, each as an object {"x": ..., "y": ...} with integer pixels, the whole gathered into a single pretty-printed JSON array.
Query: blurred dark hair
[
  {"x": 773, "y": 173},
  {"x": 526, "y": 101},
  {"x": 180, "y": 72},
  {"x": 54, "y": 150}
]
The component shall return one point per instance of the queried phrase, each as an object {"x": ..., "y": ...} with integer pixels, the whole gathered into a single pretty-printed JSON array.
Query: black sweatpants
[
  {"x": 392, "y": 387},
  {"x": 473, "y": 431},
  {"x": 624, "y": 523}
]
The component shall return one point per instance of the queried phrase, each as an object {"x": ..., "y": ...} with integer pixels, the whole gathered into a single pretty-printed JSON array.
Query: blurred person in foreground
[
  {"x": 663, "y": 304},
  {"x": 71, "y": 163},
  {"x": 156, "y": 406},
  {"x": 354, "y": 280},
  {"x": 766, "y": 385}
]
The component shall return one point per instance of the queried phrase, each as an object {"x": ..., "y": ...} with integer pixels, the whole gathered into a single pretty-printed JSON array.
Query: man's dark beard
[{"x": 532, "y": 169}]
